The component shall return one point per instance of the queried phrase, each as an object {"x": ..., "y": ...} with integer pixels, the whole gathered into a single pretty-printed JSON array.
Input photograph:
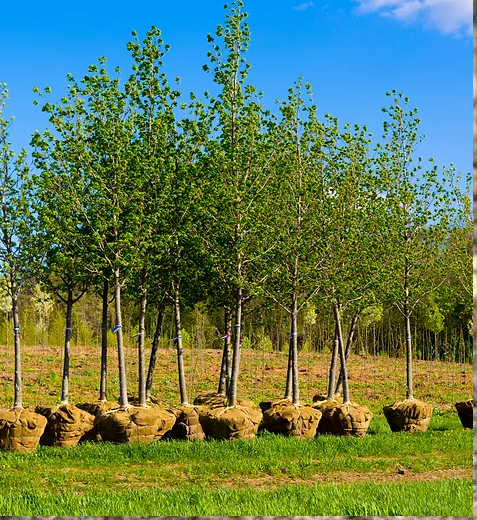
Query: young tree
[
  {"x": 358, "y": 260},
  {"x": 155, "y": 102},
  {"x": 236, "y": 208},
  {"x": 20, "y": 256},
  {"x": 62, "y": 225},
  {"x": 420, "y": 212},
  {"x": 300, "y": 183},
  {"x": 108, "y": 197}
]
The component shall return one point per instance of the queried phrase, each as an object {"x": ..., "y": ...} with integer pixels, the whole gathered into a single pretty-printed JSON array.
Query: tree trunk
[
  {"x": 104, "y": 344},
  {"x": 407, "y": 325},
  {"x": 155, "y": 343},
  {"x": 18, "y": 362},
  {"x": 232, "y": 394},
  {"x": 288, "y": 387},
  {"x": 178, "y": 342},
  {"x": 336, "y": 311},
  {"x": 66, "y": 356},
  {"x": 140, "y": 341},
  {"x": 294, "y": 349},
  {"x": 334, "y": 360},
  {"x": 224, "y": 379},
  {"x": 349, "y": 342},
  {"x": 123, "y": 390}
]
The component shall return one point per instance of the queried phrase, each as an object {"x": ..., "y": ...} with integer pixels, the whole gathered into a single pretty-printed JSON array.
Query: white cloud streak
[
  {"x": 447, "y": 16},
  {"x": 304, "y": 6}
]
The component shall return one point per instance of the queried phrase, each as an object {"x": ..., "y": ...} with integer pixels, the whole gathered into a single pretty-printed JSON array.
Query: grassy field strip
[
  {"x": 382, "y": 474},
  {"x": 267, "y": 455},
  {"x": 245, "y": 474},
  {"x": 443, "y": 498}
]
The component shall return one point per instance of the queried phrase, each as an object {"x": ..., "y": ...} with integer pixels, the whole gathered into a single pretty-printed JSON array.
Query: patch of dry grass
[{"x": 373, "y": 381}]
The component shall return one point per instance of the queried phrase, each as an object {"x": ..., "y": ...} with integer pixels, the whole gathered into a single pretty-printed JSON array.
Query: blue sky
[{"x": 351, "y": 51}]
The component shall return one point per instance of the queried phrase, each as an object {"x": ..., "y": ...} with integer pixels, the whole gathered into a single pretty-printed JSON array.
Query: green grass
[
  {"x": 451, "y": 498},
  {"x": 271, "y": 475}
]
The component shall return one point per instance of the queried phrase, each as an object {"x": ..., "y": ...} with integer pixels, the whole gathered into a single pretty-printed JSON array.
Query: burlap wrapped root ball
[
  {"x": 213, "y": 399},
  {"x": 465, "y": 410},
  {"x": 265, "y": 405},
  {"x": 343, "y": 419},
  {"x": 409, "y": 415},
  {"x": 324, "y": 404},
  {"x": 66, "y": 424},
  {"x": 237, "y": 422},
  {"x": 20, "y": 429},
  {"x": 321, "y": 398},
  {"x": 152, "y": 401},
  {"x": 291, "y": 420},
  {"x": 96, "y": 408},
  {"x": 135, "y": 424},
  {"x": 187, "y": 425}
]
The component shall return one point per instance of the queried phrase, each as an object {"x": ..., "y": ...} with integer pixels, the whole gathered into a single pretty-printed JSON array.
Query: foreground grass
[
  {"x": 383, "y": 474},
  {"x": 451, "y": 498}
]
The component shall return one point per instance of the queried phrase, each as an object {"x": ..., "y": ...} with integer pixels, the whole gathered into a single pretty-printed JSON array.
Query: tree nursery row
[{"x": 135, "y": 191}]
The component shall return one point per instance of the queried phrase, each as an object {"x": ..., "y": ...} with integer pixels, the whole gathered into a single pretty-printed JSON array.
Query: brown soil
[
  {"x": 262, "y": 376},
  {"x": 351, "y": 477},
  {"x": 392, "y": 476}
]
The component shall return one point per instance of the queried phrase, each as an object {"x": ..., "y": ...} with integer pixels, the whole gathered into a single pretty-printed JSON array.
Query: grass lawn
[{"x": 382, "y": 474}]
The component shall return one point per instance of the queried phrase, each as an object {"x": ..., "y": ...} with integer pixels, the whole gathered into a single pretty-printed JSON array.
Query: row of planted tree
[
  {"x": 209, "y": 417},
  {"x": 221, "y": 200}
]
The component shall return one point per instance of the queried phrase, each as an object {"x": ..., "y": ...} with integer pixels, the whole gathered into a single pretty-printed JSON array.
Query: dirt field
[{"x": 372, "y": 381}]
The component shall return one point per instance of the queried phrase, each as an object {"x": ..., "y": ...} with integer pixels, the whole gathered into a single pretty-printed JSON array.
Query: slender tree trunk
[
  {"x": 334, "y": 362},
  {"x": 294, "y": 348},
  {"x": 232, "y": 395},
  {"x": 141, "y": 357},
  {"x": 407, "y": 324},
  {"x": 155, "y": 343},
  {"x": 336, "y": 311},
  {"x": 18, "y": 362},
  {"x": 349, "y": 342},
  {"x": 224, "y": 379},
  {"x": 178, "y": 342},
  {"x": 123, "y": 390},
  {"x": 288, "y": 387},
  {"x": 66, "y": 355},
  {"x": 104, "y": 344}
]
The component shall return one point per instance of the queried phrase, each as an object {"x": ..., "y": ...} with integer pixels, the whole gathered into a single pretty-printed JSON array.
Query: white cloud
[
  {"x": 304, "y": 6},
  {"x": 448, "y": 16}
]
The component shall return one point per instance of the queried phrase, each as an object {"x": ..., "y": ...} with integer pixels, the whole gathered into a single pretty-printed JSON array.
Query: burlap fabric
[
  {"x": 265, "y": 405},
  {"x": 320, "y": 398},
  {"x": 292, "y": 420},
  {"x": 133, "y": 400},
  {"x": 465, "y": 410},
  {"x": 20, "y": 429},
  {"x": 324, "y": 404},
  {"x": 187, "y": 425},
  {"x": 66, "y": 424},
  {"x": 135, "y": 424},
  {"x": 238, "y": 422},
  {"x": 409, "y": 415},
  {"x": 98, "y": 407},
  {"x": 95, "y": 409},
  {"x": 212, "y": 400},
  {"x": 344, "y": 419}
]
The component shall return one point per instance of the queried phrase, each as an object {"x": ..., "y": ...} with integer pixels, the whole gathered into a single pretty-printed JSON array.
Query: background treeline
[
  {"x": 440, "y": 335},
  {"x": 206, "y": 219}
]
